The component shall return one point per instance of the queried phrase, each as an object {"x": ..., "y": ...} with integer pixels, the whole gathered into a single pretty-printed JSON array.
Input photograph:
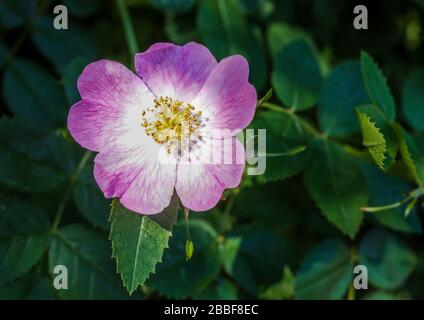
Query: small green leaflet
[
  {"x": 23, "y": 237},
  {"x": 138, "y": 241},
  {"x": 378, "y": 135},
  {"x": 342, "y": 92},
  {"x": 413, "y": 99},
  {"x": 377, "y": 87},
  {"x": 389, "y": 260},
  {"x": 373, "y": 139},
  {"x": 337, "y": 185},
  {"x": 412, "y": 157},
  {"x": 297, "y": 77},
  {"x": 86, "y": 254},
  {"x": 326, "y": 272}
]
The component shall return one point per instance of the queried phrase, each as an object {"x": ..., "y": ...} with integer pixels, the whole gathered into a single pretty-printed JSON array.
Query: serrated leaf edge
[
  {"x": 114, "y": 255},
  {"x": 372, "y": 124}
]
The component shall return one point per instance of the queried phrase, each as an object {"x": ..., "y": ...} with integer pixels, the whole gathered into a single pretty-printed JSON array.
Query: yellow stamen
[{"x": 169, "y": 120}]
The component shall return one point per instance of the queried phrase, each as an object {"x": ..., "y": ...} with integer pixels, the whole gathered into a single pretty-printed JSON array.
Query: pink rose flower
[{"x": 137, "y": 124}]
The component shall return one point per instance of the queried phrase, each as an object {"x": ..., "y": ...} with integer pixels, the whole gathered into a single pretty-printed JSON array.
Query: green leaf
[
  {"x": 254, "y": 257},
  {"x": 296, "y": 77},
  {"x": 377, "y": 88},
  {"x": 280, "y": 35},
  {"x": 412, "y": 156},
  {"x": 32, "y": 93},
  {"x": 389, "y": 260},
  {"x": 20, "y": 173},
  {"x": 373, "y": 139},
  {"x": 326, "y": 272},
  {"x": 385, "y": 189},
  {"x": 343, "y": 90},
  {"x": 225, "y": 31},
  {"x": 337, "y": 185},
  {"x": 413, "y": 99},
  {"x": 23, "y": 237},
  {"x": 15, "y": 13},
  {"x": 39, "y": 144},
  {"x": 177, "y": 278},
  {"x": 284, "y": 289},
  {"x": 378, "y": 135},
  {"x": 29, "y": 287},
  {"x": 24, "y": 137},
  {"x": 90, "y": 201},
  {"x": 49, "y": 41},
  {"x": 86, "y": 255},
  {"x": 283, "y": 134},
  {"x": 73, "y": 71},
  {"x": 41, "y": 289},
  {"x": 138, "y": 242}
]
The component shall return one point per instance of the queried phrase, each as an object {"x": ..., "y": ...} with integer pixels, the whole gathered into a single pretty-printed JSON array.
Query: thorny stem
[
  {"x": 128, "y": 28},
  {"x": 72, "y": 180}
]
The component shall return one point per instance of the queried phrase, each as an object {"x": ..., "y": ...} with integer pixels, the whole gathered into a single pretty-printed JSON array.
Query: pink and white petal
[
  {"x": 227, "y": 98},
  {"x": 110, "y": 83},
  {"x": 97, "y": 127},
  {"x": 143, "y": 184},
  {"x": 200, "y": 184},
  {"x": 93, "y": 126},
  {"x": 175, "y": 71}
]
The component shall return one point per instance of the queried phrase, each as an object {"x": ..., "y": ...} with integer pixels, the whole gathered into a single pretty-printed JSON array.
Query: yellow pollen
[{"x": 169, "y": 121}]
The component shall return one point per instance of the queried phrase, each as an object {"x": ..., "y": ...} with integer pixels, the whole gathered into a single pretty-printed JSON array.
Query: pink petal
[
  {"x": 200, "y": 185},
  {"x": 93, "y": 126},
  {"x": 110, "y": 83},
  {"x": 227, "y": 98},
  {"x": 143, "y": 184},
  {"x": 110, "y": 112},
  {"x": 175, "y": 71}
]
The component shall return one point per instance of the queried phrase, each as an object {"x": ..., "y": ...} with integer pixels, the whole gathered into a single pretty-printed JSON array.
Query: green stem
[
  {"x": 128, "y": 27},
  {"x": 305, "y": 124},
  {"x": 413, "y": 195},
  {"x": 72, "y": 180},
  {"x": 351, "y": 293},
  {"x": 385, "y": 207},
  {"x": 311, "y": 129},
  {"x": 186, "y": 212}
]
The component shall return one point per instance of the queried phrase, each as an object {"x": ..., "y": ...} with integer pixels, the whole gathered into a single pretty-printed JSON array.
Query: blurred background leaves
[{"x": 294, "y": 232}]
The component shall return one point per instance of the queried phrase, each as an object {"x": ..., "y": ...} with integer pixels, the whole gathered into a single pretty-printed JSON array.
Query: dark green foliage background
[{"x": 295, "y": 232}]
